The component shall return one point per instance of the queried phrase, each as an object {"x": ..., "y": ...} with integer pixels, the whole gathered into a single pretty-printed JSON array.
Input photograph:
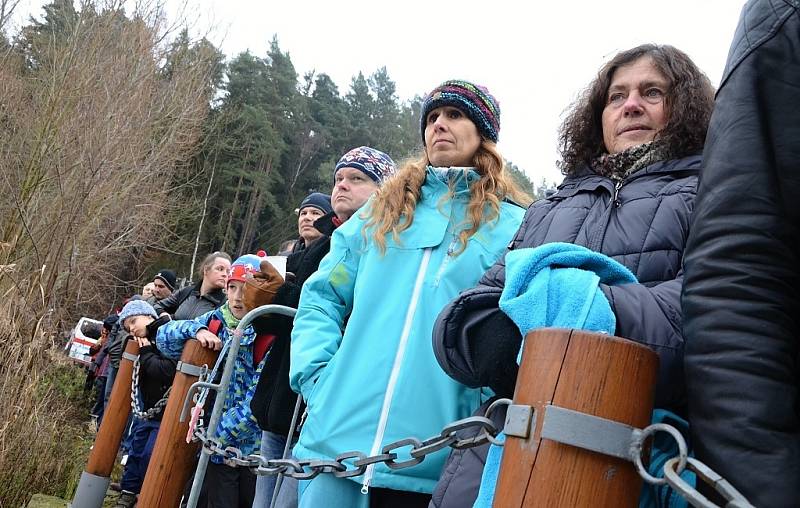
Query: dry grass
[
  {"x": 95, "y": 134},
  {"x": 43, "y": 443}
]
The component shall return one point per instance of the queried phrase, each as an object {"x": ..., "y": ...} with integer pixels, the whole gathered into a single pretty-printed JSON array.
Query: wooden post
[
  {"x": 95, "y": 479},
  {"x": 597, "y": 374},
  {"x": 172, "y": 461}
]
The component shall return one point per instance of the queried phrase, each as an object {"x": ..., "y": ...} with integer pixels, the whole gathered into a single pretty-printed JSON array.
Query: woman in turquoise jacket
[{"x": 429, "y": 233}]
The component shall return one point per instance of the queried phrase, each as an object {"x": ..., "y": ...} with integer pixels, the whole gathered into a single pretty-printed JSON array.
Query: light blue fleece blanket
[
  {"x": 554, "y": 285},
  {"x": 557, "y": 285}
]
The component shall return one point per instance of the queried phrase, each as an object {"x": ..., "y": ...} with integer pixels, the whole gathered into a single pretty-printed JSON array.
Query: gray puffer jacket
[{"x": 643, "y": 223}]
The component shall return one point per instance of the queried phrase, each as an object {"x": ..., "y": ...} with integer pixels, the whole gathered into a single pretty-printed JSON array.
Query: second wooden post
[{"x": 172, "y": 460}]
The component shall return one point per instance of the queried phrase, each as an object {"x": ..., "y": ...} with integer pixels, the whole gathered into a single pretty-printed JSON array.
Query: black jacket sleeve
[
  {"x": 116, "y": 344},
  {"x": 741, "y": 299},
  {"x": 288, "y": 294},
  {"x": 652, "y": 316},
  {"x": 171, "y": 303},
  {"x": 474, "y": 342},
  {"x": 309, "y": 262}
]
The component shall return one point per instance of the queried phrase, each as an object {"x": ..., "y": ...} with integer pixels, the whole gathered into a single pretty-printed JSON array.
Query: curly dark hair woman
[
  {"x": 688, "y": 103},
  {"x": 631, "y": 154}
]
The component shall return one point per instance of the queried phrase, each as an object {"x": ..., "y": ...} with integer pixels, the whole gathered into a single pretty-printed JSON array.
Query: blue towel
[
  {"x": 554, "y": 285},
  {"x": 491, "y": 471}
]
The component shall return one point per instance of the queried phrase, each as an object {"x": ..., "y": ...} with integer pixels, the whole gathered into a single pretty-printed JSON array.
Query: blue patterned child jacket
[{"x": 237, "y": 427}]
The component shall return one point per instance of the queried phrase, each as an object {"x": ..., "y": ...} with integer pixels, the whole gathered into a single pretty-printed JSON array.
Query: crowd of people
[{"x": 413, "y": 295}]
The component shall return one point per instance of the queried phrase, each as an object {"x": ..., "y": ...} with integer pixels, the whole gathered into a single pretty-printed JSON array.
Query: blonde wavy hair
[{"x": 394, "y": 203}]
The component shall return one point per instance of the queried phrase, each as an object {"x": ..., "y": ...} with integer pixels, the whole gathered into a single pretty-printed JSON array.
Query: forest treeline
[
  {"x": 222, "y": 167},
  {"x": 273, "y": 136}
]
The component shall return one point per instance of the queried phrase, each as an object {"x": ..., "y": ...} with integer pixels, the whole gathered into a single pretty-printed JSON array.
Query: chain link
[
  {"x": 638, "y": 446},
  {"x": 673, "y": 468},
  {"x": 157, "y": 408}
]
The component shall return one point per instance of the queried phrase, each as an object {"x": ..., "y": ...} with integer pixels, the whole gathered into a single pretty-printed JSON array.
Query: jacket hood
[{"x": 458, "y": 179}]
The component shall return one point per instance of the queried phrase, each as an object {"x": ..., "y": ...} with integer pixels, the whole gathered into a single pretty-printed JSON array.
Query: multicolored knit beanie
[
  {"x": 474, "y": 100},
  {"x": 245, "y": 266},
  {"x": 373, "y": 163}
]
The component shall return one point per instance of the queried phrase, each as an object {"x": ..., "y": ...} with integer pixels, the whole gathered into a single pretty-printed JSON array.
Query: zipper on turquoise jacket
[{"x": 398, "y": 362}]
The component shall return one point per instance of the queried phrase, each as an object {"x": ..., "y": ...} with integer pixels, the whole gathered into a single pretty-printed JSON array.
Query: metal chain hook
[
  {"x": 733, "y": 498},
  {"x": 637, "y": 446}
]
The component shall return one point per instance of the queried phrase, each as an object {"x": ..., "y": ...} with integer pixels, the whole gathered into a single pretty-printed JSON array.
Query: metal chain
[
  {"x": 306, "y": 469},
  {"x": 200, "y": 396},
  {"x": 157, "y": 408}
]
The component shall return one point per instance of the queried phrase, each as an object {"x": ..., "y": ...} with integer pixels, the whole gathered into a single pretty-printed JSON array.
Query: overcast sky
[{"x": 533, "y": 56}]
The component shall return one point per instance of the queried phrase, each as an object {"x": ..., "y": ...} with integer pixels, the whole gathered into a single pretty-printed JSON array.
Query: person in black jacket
[
  {"x": 630, "y": 151},
  {"x": 153, "y": 374},
  {"x": 206, "y": 295},
  {"x": 114, "y": 347},
  {"x": 163, "y": 285},
  {"x": 356, "y": 178},
  {"x": 99, "y": 368},
  {"x": 741, "y": 295}
]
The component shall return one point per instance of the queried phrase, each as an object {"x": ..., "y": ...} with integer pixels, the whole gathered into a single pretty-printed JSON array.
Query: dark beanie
[
  {"x": 473, "y": 100},
  {"x": 169, "y": 278},
  {"x": 109, "y": 321},
  {"x": 318, "y": 200}
]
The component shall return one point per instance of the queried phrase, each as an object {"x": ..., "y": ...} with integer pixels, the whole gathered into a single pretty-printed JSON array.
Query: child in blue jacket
[{"x": 227, "y": 485}]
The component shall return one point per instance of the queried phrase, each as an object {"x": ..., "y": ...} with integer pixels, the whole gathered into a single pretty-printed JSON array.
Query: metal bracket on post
[
  {"x": 519, "y": 421},
  {"x": 91, "y": 491},
  {"x": 191, "y": 370},
  {"x": 128, "y": 356},
  {"x": 589, "y": 432}
]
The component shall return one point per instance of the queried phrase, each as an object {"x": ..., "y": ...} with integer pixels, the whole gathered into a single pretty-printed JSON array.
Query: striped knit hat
[
  {"x": 474, "y": 100},
  {"x": 373, "y": 163}
]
